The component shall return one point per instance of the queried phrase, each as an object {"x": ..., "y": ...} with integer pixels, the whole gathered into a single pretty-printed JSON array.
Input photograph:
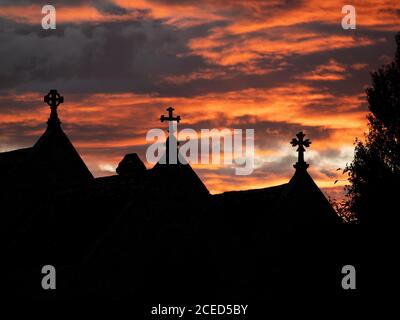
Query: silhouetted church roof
[
  {"x": 304, "y": 202},
  {"x": 181, "y": 178},
  {"x": 53, "y": 160},
  {"x": 156, "y": 222},
  {"x": 130, "y": 164},
  {"x": 177, "y": 177},
  {"x": 11, "y": 160},
  {"x": 298, "y": 202}
]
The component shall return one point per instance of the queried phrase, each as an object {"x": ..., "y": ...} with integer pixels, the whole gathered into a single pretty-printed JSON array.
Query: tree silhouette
[{"x": 374, "y": 173}]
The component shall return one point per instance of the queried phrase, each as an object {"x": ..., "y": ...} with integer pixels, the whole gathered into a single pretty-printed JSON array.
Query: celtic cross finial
[{"x": 53, "y": 99}]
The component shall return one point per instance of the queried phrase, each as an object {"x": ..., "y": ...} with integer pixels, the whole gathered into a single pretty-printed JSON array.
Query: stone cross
[
  {"x": 171, "y": 152},
  {"x": 301, "y": 144},
  {"x": 53, "y": 99},
  {"x": 170, "y": 116}
]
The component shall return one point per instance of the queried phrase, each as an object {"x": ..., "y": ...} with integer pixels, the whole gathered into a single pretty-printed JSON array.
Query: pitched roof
[
  {"x": 304, "y": 203},
  {"x": 11, "y": 160},
  {"x": 130, "y": 164},
  {"x": 134, "y": 223},
  {"x": 177, "y": 177},
  {"x": 53, "y": 160}
]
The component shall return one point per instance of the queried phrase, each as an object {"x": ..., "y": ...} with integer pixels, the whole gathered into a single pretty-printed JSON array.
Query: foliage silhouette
[{"x": 374, "y": 173}]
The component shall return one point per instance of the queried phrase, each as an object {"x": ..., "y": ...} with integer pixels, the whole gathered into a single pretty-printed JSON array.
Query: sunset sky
[{"x": 274, "y": 66}]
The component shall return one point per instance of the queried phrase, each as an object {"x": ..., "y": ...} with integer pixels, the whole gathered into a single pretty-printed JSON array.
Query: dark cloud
[
  {"x": 19, "y": 135},
  {"x": 41, "y": 2},
  {"x": 328, "y": 173},
  {"x": 268, "y": 134},
  {"x": 10, "y": 105},
  {"x": 101, "y": 132},
  {"x": 27, "y": 133},
  {"x": 108, "y": 7},
  {"x": 138, "y": 55},
  {"x": 112, "y": 57},
  {"x": 256, "y": 10},
  {"x": 104, "y": 6}
]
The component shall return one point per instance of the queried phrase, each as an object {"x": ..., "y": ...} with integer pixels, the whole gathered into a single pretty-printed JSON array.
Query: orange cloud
[
  {"x": 32, "y": 14},
  {"x": 332, "y": 71},
  {"x": 220, "y": 51}
]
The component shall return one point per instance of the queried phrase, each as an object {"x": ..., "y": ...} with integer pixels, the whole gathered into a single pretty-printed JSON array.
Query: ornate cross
[
  {"x": 170, "y": 116},
  {"x": 171, "y": 152},
  {"x": 300, "y": 143},
  {"x": 53, "y": 99}
]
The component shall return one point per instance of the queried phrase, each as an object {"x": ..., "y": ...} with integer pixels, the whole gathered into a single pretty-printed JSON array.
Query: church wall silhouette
[{"x": 158, "y": 232}]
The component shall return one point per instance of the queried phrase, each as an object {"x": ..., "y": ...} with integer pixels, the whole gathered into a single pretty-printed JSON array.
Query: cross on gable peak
[
  {"x": 170, "y": 116},
  {"x": 301, "y": 144},
  {"x": 53, "y": 99}
]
